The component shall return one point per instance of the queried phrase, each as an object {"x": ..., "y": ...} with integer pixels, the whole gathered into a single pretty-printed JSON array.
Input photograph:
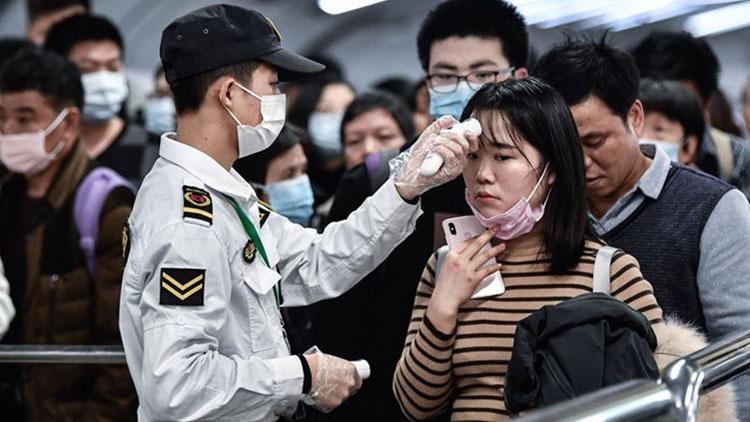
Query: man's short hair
[
  {"x": 478, "y": 18},
  {"x": 679, "y": 56},
  {"x": 54, "y": 77},
  {"x": 36, "y": 8},
  {"x": 9, "y": 47},
  {"x": 579, "y": 68},
  {"x": 675, "y": 102},
  {"x": 188, "y": 92},
  {"x": 66, "y": 34}
]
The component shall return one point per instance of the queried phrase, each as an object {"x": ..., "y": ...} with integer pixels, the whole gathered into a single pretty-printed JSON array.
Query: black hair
[
  {"x": 254, "y": 167},
  {"x": 66, "y": 34},
  {"x": 379, "y": 100},
  {"x": 189, "y": 92},
  {"x": 537, "y": 114},
  {"x": 309, "y": 94},
  {"x": 675, "y": 102},
  {"x": 478, "y": 18},
  {"x": 722, "y": 113},
  {"x": 579, "y": 68},
  {"x": 37, "y": 8},
  {"x": 9, "y": 47},
  {"x": 51, "y": 75},
  {"x": 401, "y": 87},
  {"x": 679, "y": 56}
]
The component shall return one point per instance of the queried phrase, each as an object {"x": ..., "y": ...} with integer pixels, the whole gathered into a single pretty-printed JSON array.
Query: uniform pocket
[{"x": 265, "y": 326}]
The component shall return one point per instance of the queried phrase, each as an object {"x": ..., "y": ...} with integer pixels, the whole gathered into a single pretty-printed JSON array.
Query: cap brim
[{"x": 292, "y": 66}]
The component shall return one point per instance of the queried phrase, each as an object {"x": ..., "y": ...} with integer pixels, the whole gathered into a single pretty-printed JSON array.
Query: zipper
[{"x": 54, "y": 280}]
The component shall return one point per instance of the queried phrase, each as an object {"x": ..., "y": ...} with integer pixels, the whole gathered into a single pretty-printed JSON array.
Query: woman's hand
[{"x": 458, "y": 279}]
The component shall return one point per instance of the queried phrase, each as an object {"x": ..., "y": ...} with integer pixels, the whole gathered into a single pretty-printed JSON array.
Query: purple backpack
[{"x": 89, "y": 200}]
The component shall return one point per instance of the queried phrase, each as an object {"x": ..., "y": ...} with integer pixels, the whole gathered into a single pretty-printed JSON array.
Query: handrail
[
  {"x": 673, "y": 397},
  {"x": 67, "y": 354}
]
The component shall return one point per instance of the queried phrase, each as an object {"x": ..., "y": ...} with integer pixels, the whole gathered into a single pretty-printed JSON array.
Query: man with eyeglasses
[
  {"x": 465, "y": 44},
  {"x": 462, "y": 45}
]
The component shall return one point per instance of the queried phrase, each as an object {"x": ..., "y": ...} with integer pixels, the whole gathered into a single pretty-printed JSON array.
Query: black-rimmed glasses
[{"x": 447, "y": 82}]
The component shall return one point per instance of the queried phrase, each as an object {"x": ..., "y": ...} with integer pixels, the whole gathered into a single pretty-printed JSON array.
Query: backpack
[
  {"x": 601, "y": 267},
  {"x": 87, "y": 208}
]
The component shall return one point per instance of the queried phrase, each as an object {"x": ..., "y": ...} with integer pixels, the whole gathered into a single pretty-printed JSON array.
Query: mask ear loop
[
  {"x": 230, "y": 111},
  {"x": 52, "y": 126},
  {"x": 538, "y": 183}
]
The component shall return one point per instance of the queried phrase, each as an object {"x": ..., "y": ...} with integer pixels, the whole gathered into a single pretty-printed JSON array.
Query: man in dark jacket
[{"x": 61, "y": 297}]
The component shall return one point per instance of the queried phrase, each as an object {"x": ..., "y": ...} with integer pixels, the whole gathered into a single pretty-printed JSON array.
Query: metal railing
[
  {"x": 673, "y": 397},
  {"x": 61, "y": 354}
]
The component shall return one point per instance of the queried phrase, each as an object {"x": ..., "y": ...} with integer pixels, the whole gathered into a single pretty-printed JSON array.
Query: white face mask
[
  {"x": 254, "y": 139},
  {"x": 25, "y": 153},
  {"x": 104, "y": 94},
  {"x": 672, "y": 150},
  {"x": 325, "y": 130}
]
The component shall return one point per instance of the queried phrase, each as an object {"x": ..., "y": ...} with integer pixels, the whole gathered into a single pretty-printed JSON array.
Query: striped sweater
[{"x": 464, "y": 372}]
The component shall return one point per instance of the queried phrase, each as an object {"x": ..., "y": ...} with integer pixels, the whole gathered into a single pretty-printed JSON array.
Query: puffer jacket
[{"x": 65, "y": 304}]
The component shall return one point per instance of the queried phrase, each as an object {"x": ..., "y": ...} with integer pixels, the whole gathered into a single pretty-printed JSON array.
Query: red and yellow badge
[{"x": 197, "y": 204}]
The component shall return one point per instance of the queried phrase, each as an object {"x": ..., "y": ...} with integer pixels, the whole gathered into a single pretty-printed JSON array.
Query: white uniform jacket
[{"x": 200, "y": 325}]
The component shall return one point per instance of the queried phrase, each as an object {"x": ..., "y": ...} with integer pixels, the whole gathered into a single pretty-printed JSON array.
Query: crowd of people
[{"x": 257, "y": 224}]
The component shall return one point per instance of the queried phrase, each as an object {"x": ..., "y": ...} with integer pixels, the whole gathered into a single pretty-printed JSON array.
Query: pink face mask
[
  {"x": 25, "y": 153},
  {"x": 519, "y": 220}
]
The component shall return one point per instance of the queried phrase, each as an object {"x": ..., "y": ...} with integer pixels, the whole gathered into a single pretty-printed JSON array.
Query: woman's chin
[{"x": 489, "y": 208}]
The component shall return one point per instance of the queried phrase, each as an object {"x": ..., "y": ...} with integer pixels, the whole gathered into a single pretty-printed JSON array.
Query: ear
[
  {"x": 552, "y": 177},
  {"x": 636, "y": 117},
  {"x": 71, "y": 124},
  {"x": 225, "y": 88},
  {"x": 521, "y": 73},
  {"x": 690, "y": 149}
]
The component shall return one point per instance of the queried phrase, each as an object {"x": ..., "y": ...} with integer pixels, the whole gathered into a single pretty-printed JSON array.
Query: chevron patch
[{"x": 182, "y": 286}]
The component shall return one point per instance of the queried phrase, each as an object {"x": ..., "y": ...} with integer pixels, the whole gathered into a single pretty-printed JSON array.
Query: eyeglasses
[{"x": 446, "y": 82}]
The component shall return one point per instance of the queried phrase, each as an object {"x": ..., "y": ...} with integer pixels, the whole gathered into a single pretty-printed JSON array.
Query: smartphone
[{"x": 458, "y": 231}]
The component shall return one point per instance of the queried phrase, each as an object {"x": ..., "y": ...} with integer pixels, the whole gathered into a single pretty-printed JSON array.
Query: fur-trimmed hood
[{"x": 677, "y": 339}]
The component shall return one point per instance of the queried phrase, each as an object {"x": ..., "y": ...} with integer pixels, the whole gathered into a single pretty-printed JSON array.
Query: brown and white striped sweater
[{"x": 464, "y": 372}]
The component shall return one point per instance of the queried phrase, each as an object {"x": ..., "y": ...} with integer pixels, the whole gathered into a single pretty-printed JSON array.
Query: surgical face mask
[
  {"x": 104, "y": 93},
  {"x": 254, "y": 139},
  {"x": 450, "y": 103},
  {"x": 325, "y": 130},
  {"x": 672, "y": 150},
  {"x": 25, "y": 153},
  {"x": 159, "y": 115},
  {"x": 292, "y": 198},
  {"x": 519, "y": 220}
]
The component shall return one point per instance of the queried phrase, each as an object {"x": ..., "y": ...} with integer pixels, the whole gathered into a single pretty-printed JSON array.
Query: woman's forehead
[{"x": 496, "y": 130}]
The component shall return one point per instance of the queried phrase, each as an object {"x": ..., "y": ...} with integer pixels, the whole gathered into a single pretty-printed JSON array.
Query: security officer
[{"x": 207, "y": 265}]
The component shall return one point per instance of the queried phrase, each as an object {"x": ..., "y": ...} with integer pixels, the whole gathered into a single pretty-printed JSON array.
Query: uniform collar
[{"x": 205, "y": 168}]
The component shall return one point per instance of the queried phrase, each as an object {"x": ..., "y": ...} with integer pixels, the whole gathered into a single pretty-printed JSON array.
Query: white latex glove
[
  {"x": 7, "y": 311},
  {"x": 334, "y": 381},
  {"x": 453, "y": 147}
]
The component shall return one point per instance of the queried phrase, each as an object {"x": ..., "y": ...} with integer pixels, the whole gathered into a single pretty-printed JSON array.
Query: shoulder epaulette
[
  {"x": 264, "y": 210},
  {"x": 197, "y": 204}
]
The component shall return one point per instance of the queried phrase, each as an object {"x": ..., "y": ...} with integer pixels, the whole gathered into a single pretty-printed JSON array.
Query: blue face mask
[
  {"x": 292, "y": 198},
  {"x": 672, "y": 150},
  {"x": 325, "y": 130},
  {"x": 450, "y": 103},
  {"x": 159, "y": 115}
]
